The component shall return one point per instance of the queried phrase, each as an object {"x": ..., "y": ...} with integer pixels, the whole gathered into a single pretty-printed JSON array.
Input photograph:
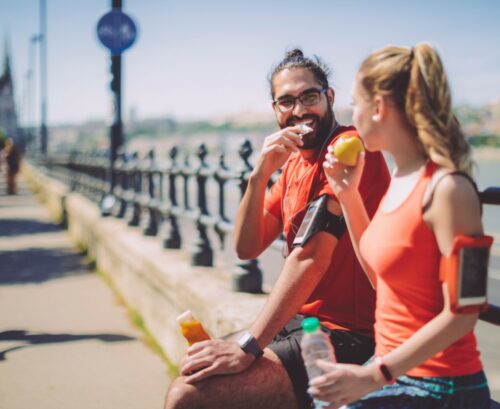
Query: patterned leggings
[{"x": 460, "y": 392}]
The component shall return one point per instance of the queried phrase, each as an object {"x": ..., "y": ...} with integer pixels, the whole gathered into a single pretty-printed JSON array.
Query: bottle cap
[
  {"x": 310, "y": 324},
  {"x": 185, "y": 316}
]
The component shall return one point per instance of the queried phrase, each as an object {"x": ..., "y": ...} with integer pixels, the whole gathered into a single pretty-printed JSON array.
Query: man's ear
[
  {"x": 330, "y": 94},
  {"x": 274, "y": 109}
]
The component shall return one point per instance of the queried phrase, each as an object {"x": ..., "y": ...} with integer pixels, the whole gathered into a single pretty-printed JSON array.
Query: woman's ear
[{"x": 379, "y": 108}]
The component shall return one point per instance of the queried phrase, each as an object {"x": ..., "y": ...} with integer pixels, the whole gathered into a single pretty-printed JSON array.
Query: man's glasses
[{"x": 307, "y": 98}]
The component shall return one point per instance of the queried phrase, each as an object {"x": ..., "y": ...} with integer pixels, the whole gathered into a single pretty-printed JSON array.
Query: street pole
[
  {"x": 32, "y": 85},
  {"x": 43, "y": 77},
  {"x": 117, "y": 32},
  {"x": 116, "y": 132}
]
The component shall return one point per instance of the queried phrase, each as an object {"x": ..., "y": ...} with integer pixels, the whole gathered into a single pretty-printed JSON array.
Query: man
[{"x": 320, "y": 277}]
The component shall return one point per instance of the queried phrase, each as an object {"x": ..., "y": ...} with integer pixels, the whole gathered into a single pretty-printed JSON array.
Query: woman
[{"x": 427, "y": 354}]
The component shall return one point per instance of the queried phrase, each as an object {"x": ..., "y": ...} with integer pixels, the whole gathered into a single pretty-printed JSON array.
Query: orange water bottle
[{"x": 191, "y": 328}]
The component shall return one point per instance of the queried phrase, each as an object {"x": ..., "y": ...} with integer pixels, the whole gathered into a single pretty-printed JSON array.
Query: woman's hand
[
  {"x": 343, "y": 179},
  {"x": 343, "y": 384}
]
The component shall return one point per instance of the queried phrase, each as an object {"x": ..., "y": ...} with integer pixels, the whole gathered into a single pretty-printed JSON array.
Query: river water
[{"x": 487, "y": 172}]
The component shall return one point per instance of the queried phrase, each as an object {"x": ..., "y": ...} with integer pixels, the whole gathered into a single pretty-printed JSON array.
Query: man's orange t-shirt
[{"x": 344, "y": 298}]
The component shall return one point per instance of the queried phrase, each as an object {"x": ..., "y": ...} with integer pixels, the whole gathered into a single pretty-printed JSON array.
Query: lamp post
[
  {"x": 43, "y": 77},
  {"x": 31, "y": 83}
]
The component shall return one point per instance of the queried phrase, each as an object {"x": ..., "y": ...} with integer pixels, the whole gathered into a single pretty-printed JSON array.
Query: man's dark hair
[{"x": 295, "y": 59}]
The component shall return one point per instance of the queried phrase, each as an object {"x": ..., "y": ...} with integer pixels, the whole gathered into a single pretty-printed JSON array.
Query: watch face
[{"x": 244, "y": 339}]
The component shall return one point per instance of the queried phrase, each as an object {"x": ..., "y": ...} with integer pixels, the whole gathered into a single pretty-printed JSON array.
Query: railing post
[
  {"x": 171, "y": 236},
  {"x": 247, "y": 275},
  {"x": 151, "y": 221},
  {"x": 133, "y": 207},
  {"x": 202, "y": 254},
  {"x": 121, "y": 188},
  {"x": 221, "y": 177}
]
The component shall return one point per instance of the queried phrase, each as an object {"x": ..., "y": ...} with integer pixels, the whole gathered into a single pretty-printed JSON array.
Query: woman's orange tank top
[{"x": 403, "y": 252}]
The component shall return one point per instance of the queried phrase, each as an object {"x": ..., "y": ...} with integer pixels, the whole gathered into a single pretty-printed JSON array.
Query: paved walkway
[{"x": 65, "y": 342}]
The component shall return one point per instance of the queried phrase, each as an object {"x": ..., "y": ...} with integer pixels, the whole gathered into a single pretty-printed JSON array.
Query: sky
[{"x": 201, "y": 59}]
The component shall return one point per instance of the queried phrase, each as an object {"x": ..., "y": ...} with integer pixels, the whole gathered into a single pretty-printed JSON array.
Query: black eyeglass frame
[{"x": 294, "y": 99}]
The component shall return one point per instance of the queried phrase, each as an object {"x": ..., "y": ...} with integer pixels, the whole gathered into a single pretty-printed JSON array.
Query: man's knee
[{"x": 182, "y": 395}]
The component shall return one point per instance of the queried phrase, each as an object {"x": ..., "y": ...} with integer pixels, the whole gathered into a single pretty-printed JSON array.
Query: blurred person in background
[{"x": 11, "y": 157}]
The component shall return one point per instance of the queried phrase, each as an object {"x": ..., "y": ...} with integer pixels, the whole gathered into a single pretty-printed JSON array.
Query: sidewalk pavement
[{"x": 65, "y": 341}]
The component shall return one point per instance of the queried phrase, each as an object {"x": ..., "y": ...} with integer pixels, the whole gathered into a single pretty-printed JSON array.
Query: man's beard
[{"x": 322, "y": 131}]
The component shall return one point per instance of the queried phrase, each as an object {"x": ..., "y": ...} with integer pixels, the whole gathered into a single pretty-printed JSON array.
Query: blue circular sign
[{"x": 117, "y": 31}]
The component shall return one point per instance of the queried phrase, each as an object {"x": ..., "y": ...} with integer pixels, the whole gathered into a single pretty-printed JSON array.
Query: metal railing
[
  {"x": 157, "y": 194},
  {"x": 491, "y": 196}
]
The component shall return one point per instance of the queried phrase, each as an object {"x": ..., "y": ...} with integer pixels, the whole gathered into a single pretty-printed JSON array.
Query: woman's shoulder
[
  {"x": 447, "y": 185},
  {"x": 455, "y": 201}
]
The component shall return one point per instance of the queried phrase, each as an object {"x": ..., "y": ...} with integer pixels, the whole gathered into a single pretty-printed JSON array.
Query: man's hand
[
  {"x": 277, "y": 149},
  {"x": 214, "y": 357}
]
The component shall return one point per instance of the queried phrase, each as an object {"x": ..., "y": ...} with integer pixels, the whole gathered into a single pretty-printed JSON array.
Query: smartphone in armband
[
  {"x": 312, "y": 221},
  {"x": 465, "y": 271}
]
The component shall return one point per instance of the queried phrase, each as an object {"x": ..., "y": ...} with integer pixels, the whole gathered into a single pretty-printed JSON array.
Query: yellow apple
[{"x": 347, "y": 148}]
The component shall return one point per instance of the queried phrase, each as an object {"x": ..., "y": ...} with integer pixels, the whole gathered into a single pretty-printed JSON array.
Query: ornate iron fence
[{"x": 156, "y": 194}]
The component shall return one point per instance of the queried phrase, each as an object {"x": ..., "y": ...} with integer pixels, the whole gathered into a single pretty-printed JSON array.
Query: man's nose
[{"x": 299, "y": 108}]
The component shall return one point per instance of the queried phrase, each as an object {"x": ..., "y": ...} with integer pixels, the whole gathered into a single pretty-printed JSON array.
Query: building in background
[{"x": 8, "y": 116}]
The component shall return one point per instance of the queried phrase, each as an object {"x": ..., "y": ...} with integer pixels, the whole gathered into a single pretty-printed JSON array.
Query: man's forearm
[
  {"x": 249, "y": 222},
  {"x": 299, "y": 277}
]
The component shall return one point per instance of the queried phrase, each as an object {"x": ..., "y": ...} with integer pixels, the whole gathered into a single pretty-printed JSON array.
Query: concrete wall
[{"x": 159, "y": 284}]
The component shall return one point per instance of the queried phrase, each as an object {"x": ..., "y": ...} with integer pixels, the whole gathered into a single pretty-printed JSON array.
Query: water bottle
[{"x": 315, "y": 345}]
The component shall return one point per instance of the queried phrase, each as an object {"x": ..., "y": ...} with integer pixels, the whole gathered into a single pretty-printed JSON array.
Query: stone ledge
[{"x": 159, "y": 284}]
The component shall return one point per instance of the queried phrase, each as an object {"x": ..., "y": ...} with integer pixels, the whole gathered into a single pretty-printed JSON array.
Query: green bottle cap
[{"x": 310, "y": 324}]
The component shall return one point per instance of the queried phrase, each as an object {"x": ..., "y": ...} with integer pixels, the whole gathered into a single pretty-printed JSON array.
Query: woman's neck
[{"x": 407, "y": 154}]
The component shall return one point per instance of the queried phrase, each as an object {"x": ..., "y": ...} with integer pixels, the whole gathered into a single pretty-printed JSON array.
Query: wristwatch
[{"x": 249, "y": 344}]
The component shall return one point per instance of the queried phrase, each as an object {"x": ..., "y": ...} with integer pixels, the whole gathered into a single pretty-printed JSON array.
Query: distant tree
[{"x": 3, "y": 138}]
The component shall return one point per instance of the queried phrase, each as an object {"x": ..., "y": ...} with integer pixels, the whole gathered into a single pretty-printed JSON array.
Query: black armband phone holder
[
  {"x": 465, "y": 272},
  {"x": 318, "y": 218}
]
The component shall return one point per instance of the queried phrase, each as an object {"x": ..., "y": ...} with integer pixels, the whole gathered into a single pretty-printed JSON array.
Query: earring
[{"x": 376, "y": 117}]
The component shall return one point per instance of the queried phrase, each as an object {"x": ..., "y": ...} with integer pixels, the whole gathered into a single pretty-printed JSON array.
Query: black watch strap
[{"x": 249, "y": 344}]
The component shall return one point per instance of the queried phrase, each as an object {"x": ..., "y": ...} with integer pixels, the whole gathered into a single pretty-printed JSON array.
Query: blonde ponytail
[
  {"x": 416, "y": 81},
  {"x": 428, "y": 109}
]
